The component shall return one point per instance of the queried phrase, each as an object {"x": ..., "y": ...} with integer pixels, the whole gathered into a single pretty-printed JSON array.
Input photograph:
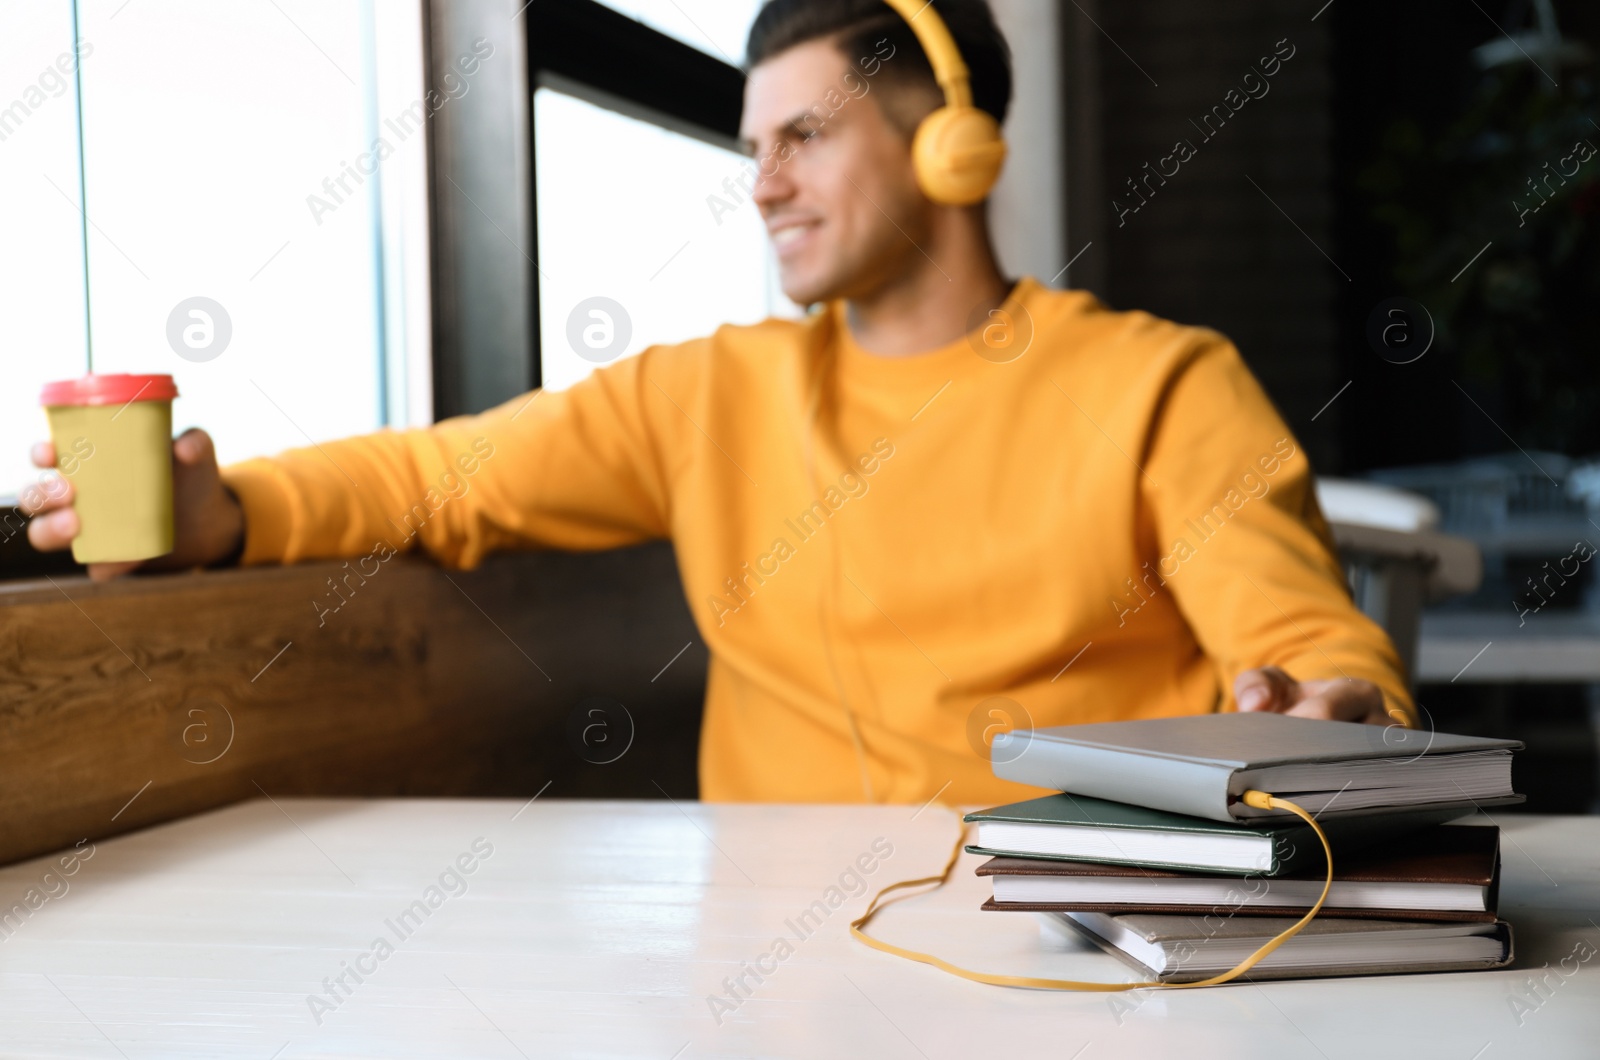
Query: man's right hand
[{"x": 208, "y": 524}]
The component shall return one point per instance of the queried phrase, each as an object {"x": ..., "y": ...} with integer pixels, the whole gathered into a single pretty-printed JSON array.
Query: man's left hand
[{"x": 1343, "y": 699}]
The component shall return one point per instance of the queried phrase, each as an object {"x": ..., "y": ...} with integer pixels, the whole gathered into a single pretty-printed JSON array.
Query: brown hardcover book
[{"x": 1443, "y": 873}]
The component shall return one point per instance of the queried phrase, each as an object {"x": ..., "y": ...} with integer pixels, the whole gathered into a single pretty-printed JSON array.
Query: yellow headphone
[
  {"x": 958, "y": 150},
  {"x": 957, "y": 153}
]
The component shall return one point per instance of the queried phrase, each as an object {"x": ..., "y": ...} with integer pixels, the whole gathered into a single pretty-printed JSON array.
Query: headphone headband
[
  {"x": 957, "y": 151},
  {"x": 948, "y": 67}
]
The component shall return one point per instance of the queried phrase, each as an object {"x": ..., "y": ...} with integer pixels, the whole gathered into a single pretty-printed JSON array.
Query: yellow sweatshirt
[{"x": 1076, "y": 515}]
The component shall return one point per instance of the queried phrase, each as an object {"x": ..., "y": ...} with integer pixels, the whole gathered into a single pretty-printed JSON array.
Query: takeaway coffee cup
[{"x": 113, "y": 439}]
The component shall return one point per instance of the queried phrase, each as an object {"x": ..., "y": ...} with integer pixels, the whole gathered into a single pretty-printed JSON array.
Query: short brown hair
[{"x": 859, "y": 26}]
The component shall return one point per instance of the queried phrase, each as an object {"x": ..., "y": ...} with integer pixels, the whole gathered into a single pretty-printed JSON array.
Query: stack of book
[{"x": 1149, "y": 852}]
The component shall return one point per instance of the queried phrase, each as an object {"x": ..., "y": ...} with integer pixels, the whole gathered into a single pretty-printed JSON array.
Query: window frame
[
  {"x": 584, "y": 48},
  {"x": 615, "y": 61}
]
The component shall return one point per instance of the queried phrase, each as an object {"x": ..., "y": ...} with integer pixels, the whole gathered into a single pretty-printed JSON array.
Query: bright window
[
  {"x": 640, "y": 215},
  {"x": 716, "y": 27},
  {"x": 227, "y": 157},
  {"x": 41, "y": 254}
]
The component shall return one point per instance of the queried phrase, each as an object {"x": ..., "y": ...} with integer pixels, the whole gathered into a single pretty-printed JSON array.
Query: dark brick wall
[{"x": 1209, "y": 246}]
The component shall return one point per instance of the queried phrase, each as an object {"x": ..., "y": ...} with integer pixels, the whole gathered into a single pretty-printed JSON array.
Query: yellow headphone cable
[
  {"x": 831, "y": 583},
  {"x": 1259, "y": 799},
  {"x": 957, "y": 153}
]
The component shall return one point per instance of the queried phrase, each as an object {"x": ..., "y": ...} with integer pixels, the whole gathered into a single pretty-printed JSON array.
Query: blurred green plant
[{"x": 1523, "y": 322}]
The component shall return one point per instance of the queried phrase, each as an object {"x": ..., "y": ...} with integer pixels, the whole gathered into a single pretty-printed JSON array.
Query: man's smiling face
[{"x": 838, "y": 194}]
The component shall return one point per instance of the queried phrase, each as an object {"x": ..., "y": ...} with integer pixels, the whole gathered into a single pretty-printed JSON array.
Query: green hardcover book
[{"x": 1077, "y": 828}]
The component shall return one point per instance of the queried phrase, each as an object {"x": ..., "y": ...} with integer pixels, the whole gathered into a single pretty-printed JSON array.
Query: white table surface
[{"x": 600, "y": 928}]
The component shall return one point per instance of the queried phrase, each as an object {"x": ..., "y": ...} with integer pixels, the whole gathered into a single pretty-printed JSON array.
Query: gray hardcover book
[
  {"x": 1178, "y": 949},
  {"x": 1200, "y": 765}
]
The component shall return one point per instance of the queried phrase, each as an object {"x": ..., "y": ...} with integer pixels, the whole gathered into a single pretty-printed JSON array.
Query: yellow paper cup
[{"x": 113, "y": 439}]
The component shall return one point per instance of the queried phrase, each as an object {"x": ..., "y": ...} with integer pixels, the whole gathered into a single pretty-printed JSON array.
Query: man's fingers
[
  {"x": 53, "y": 530},
  {"x": 193, "y": 447},
  {"x": 46, "y": 495},
  {"x": 1265, "y": 688},
  {"x": 1319, "y": 708},
  {"x": 1341, "y": 700},
  {"x": 1330, "y": 708},
  {"x": 104, "y": 572},
  {"x": 49, "y": 491}
]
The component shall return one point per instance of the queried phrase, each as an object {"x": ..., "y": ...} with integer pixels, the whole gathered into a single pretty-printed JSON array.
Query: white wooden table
[{"x": 601, "y": 929}]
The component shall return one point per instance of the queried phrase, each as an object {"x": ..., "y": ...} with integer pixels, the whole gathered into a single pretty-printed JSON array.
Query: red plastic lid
[{"x": 111, "y": 389}]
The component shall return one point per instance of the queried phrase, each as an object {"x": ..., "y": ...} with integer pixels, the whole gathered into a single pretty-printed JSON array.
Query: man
[{"x": 941, "y": 503}]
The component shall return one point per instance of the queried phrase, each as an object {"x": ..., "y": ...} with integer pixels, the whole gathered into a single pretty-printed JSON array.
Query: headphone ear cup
[{"x": 957, "y": 154}]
